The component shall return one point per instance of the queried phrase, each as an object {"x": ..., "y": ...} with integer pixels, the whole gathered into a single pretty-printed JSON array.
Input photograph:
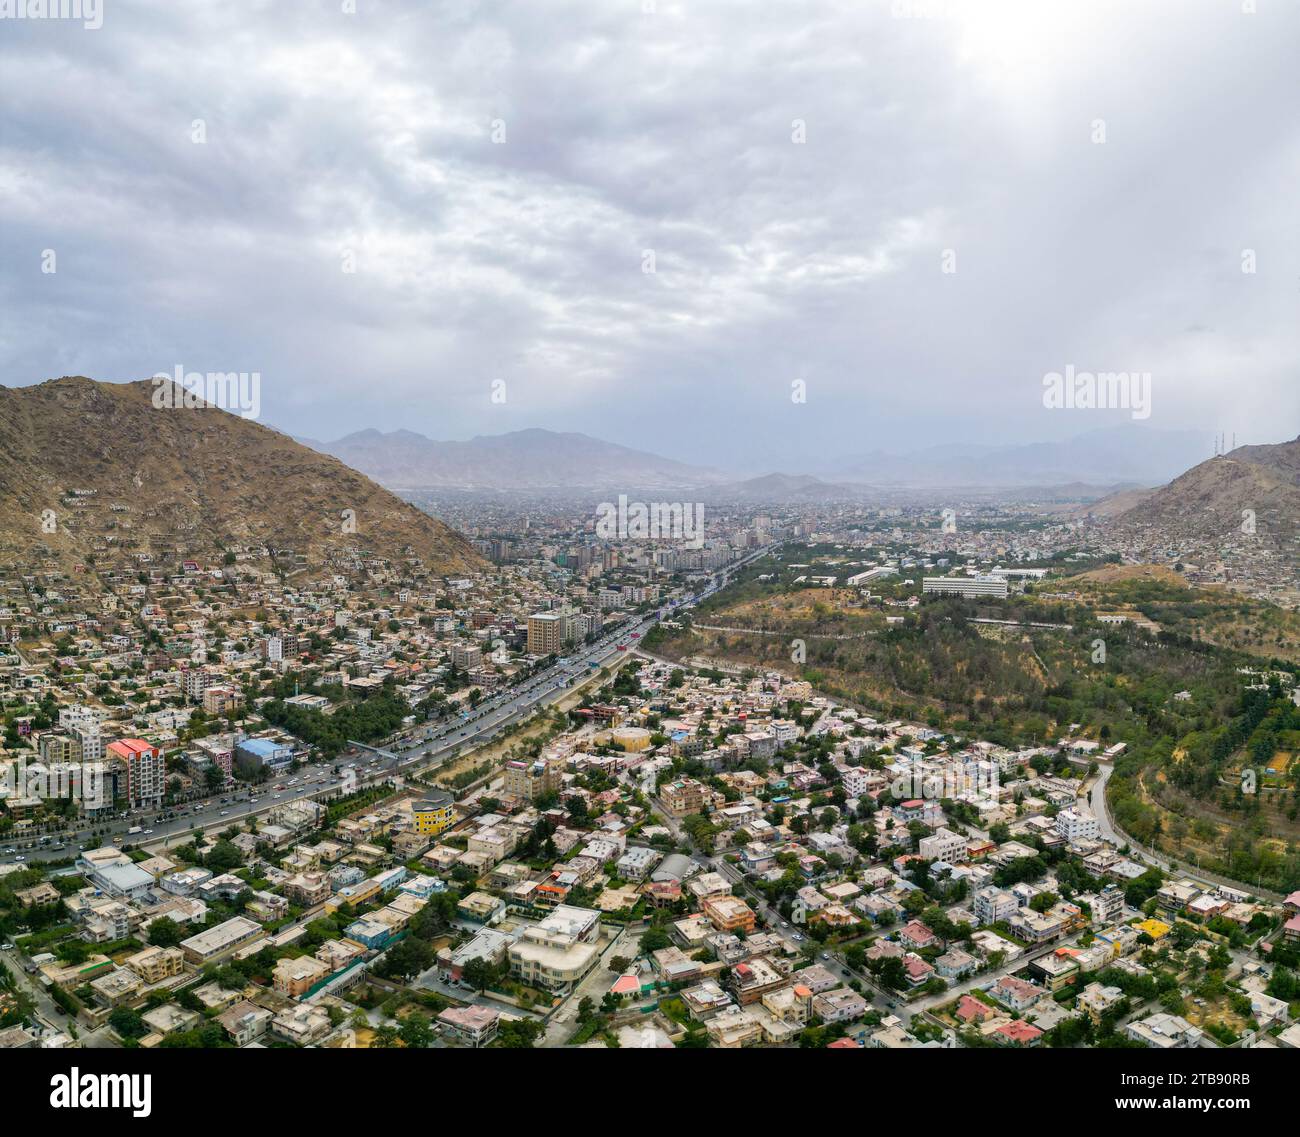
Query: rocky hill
[
  {"x": 1209, "y": 501},
  {"x": 90, "y": 469}
]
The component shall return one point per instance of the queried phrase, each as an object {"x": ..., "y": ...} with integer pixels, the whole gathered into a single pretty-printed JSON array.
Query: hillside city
[{"x": 379, "y": 807}]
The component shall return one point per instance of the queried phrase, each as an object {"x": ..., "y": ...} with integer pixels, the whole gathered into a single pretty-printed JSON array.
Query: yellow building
[
  {"x": 433, "y": 814},
  {"x": 1156, "y": 929}
]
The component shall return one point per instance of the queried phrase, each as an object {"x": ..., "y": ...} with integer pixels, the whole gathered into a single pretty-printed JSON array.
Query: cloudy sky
[{"x": 798, "y": 175}]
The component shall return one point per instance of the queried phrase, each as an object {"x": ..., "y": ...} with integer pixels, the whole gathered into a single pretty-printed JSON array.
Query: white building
[{"x": 1077, "y": 825}]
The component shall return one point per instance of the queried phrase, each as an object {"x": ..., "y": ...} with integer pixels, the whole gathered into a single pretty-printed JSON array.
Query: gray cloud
[{"x": 671, "y": 130}]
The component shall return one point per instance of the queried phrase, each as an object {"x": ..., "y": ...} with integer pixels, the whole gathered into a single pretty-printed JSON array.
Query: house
[
  {"x": 474, "y": 1025},
  {"x": 245, "y": 1022},
  {"x": 1017, "y": 1033},
  {"x": 1095, "y": 1000},
  {"x": 917, "y": 935},
  {"x": 840, "y": 1005},
  {"x": 955, "y": 963},
  {"x": 1165, "y": 1032},
  {"x": 971, "y": 1010},
  {"x": 1016, "y": 993}
]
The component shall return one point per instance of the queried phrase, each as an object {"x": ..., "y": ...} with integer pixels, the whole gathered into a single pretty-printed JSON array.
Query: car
[
  {"x": 252, "y": 801},
  {"x": 6, "y": 947},
  {"x": 20, "y": 858},
  {"x": 826, "y": 955},
  {"x": 225, "y": 813}
]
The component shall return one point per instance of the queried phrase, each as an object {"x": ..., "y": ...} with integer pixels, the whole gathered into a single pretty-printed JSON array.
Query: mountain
[
  {"x": 1209, "y": 499},
  {"x": 120, "y": 473},
  {"x": 532, "y": 459},
  {"x": 787, "y": 488},
  {"x": 1128, "y": 453}
]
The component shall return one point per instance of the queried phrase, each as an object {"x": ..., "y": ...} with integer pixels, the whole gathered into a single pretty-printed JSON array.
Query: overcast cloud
[{"x": 669, "y": 130}]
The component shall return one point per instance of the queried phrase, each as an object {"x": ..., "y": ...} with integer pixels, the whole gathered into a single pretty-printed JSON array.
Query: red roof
[{"x": 1019, "y": 1031}]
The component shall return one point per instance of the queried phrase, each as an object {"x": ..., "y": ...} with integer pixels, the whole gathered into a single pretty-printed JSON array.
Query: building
[
  {"x": 474, "y": 1025},
  {"x": 1165, "y": 1032},
  {"x": 214, "y": 944},
  {"x": 994, "y": 905},
  {"x": 965, "y": 585},
  {"x": 245, "y": 1022},
  {"x": 557, "y": 952},
  {"x": 728, "y": 913},
  {"x": 1077, "y": 825},
  {"x": 528, "y": 781},
  {"x": 943, "y": 845},
  {"x": 294, "y": 977},
  {"x": 545, "y": 633},
  {"x": 683, "y": 797},
  {"x": 154, "y": 964},
  {"x": 256, "y": 754},
  {"x": 145, "y": 771},
  {"x": 433, "y": 814}
]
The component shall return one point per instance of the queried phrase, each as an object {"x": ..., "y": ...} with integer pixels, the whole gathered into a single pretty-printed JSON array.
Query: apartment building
[
  {"x": 545, "y": 633},
  {"x": 683, "y": 797},
  {"x": 1077, "y": 825},
  {"x": 557, "y": 952},
  {"x": 943, "y": 845},
  {"x": 154, "y": 964},
  {"x": 145, "y": 771}
]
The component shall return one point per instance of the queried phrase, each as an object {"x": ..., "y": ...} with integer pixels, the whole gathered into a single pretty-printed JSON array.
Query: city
[{"x": 733, "y": 527}]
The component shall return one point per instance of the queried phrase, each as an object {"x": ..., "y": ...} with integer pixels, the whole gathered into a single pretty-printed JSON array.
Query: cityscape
[{"x": 503, "y": 658}]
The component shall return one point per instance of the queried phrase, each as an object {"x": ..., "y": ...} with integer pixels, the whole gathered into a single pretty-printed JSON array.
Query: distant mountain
[
  {"x": 1129, "y": 453},
  {"x": 532, "y": 459},
  {"x": 787, "y": 488},
  {"x": 1209, "y": 500},
  {"x": 121, "y": 476}
]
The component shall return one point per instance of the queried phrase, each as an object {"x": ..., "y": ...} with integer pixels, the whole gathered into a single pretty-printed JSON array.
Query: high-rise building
[
  {"x": 145, "y": 770},
  {"x": 545, "y": 633}
]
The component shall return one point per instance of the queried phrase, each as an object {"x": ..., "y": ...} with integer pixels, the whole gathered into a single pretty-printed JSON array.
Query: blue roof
[{"x": 262, "y": 747}]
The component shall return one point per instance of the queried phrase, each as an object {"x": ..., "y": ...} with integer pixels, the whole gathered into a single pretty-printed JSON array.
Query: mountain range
[
  {"x": 538, "y": 460},
  {"x": 108, "y": 471},
  {"x": 521, "y": 460}
]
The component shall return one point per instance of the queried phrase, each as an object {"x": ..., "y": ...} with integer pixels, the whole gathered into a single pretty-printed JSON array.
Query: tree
[
  {"x": 416, "y": 1031},
  {"x": 518, "y": 1034},
  {"x": 165, "y": 932},
  {"x": 127, "y": 1023}
]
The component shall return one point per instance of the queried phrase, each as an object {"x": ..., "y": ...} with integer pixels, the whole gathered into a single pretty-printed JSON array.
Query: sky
[{"x": 751, "y": 235}]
